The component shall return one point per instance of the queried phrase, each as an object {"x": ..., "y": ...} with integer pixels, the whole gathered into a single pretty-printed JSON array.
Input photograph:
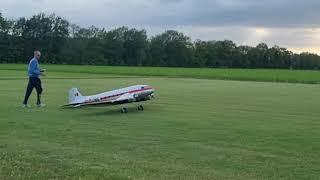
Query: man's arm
[{"x": 34, "y": 68}]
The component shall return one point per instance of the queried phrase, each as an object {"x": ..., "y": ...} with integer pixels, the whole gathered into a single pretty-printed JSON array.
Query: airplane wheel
[
  {"x": 140, "y": 108},
  {"x": 124, "y": 110}
]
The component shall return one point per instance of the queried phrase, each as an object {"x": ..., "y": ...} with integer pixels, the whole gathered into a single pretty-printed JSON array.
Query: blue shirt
[{"x": 34, "y": 68}]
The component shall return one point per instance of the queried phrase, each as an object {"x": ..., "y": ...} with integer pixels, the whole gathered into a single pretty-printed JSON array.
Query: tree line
[{"x": 64, "y": 43}]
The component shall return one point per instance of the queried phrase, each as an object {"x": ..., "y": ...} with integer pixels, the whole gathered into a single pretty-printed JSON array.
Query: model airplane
[{"x": 137, "y": 93}]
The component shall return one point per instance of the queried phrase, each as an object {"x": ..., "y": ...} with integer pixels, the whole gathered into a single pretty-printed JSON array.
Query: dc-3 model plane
[{"x": 137, "y": 93}]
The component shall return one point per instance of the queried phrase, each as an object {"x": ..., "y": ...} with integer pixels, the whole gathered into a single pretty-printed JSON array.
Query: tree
[
  {"x": 5, "y": 26},
  {"x": 65, "y": 43},
  {"x": 8, "y": 46},
  {"x": 135, "y": 47},
  {"x": 175, "y": 47},
  {"x": 46, "y": 33}
]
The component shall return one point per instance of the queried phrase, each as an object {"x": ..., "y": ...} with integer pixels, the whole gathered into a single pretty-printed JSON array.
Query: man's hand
[{"x": 42, "y": 71}]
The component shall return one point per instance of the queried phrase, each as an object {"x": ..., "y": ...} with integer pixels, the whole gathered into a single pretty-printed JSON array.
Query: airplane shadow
[
  {"x": 110, "y": 112},
  {"x": 106, "y": 110}
]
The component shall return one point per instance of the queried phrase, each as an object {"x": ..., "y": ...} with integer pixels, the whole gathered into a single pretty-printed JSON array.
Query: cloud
[
  {"x": 289, "y": 23},
  {"x": 295, "y": 39},
  {"x": 282, "y": 13},
  {"x": 267, "y": 13}
]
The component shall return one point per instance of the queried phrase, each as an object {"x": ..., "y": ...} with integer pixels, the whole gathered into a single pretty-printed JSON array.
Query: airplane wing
[
  {"x": 125, "y": 98},
  {"x": 88, "y": 104}
]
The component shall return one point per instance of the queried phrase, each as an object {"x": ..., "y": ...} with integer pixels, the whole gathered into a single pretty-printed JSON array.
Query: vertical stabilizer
[{"x": 74, "y": 95}]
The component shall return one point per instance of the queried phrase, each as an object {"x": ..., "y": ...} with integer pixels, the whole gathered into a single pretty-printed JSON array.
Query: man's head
[{"x": 37, "y": 54}]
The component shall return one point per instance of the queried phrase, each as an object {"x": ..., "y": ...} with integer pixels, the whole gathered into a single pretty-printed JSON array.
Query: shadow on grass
[
  {"x": 103, "y": 111},
  {"x": 108, "y": 112}
]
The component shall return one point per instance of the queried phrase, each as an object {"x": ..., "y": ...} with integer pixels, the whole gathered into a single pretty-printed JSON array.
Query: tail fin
[{"x": 74, "y": 95}]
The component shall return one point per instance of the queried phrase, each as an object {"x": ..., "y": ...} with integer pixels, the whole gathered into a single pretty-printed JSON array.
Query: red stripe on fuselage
[
  {"x": 116, "y": 95},
  {"x": 139, "y": 90}
]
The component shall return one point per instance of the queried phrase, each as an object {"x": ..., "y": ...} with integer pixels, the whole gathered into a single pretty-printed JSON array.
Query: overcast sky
[{"x": 294, "y": 24}]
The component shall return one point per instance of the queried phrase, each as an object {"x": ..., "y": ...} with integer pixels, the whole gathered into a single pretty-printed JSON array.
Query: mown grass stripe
[{"x": 263, "y": 75}]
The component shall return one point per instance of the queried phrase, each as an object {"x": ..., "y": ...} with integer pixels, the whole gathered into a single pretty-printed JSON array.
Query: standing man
[{"x": 34, "y": 73}]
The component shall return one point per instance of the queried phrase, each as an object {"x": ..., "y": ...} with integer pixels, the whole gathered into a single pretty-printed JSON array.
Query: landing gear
[
  {"x": 124, "y": 110},
  {"x": 140, "y": 108}
]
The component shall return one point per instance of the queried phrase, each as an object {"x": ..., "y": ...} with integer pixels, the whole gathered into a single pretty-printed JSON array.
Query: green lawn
[
  {"x": 266, "y": 75},
  {"x": 194, "y": 129}
]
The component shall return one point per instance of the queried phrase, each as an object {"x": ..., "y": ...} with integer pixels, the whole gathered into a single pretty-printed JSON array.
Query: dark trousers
[{"x": 34, "y": 82}]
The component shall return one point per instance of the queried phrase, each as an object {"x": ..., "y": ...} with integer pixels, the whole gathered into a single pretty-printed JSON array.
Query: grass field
[
  {"x": 266, "y": 75},
  {"x": 194, "y": 129}
]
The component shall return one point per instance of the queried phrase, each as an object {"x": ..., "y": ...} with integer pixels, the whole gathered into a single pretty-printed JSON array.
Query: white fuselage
[{"x": 132, "y": 93}]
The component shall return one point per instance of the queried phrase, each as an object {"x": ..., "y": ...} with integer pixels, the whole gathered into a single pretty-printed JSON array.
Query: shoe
[
  {"x": 25, "y": 106},
  {"x": 41, "y": 105}
]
